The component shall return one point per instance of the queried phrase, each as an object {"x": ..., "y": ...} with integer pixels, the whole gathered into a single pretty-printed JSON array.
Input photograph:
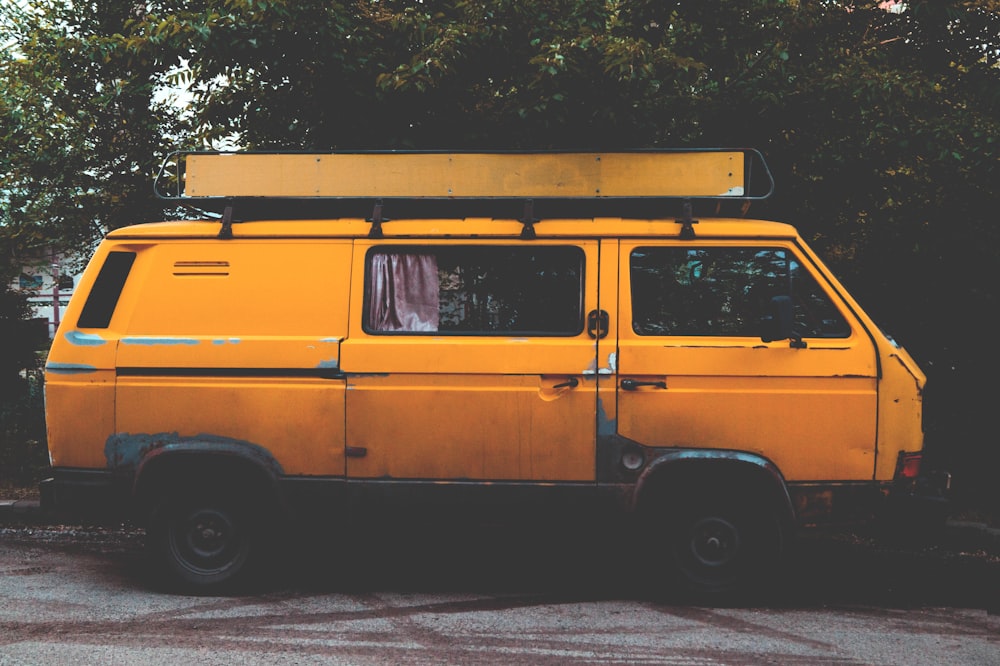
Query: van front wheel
[
  {"x": 719, "y": 548},
  {"x": 204, "y": 542}
]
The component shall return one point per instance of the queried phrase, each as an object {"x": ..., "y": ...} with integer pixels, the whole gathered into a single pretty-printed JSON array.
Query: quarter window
[
  {"x": 474, "y": 290},
  {"x": 107, "y": 289},
  {"x": 725, "y": 291}
]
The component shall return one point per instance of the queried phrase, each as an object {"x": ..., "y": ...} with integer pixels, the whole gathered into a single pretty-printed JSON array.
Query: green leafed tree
[{"x": 81, "y": 129}]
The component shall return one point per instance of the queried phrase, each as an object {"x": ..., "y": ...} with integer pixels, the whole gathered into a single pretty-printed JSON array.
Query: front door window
[{"x": 724, "y": 291}]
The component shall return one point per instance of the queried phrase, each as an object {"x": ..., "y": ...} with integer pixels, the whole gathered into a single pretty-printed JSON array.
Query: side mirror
[{"x": 777, "y": 323}]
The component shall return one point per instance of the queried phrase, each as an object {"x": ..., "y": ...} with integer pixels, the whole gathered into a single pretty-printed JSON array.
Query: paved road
[{"x": 82, "y": 596}]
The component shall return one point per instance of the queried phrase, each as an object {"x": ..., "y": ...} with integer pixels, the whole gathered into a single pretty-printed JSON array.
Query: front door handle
[{"x": 634, "y": 384}]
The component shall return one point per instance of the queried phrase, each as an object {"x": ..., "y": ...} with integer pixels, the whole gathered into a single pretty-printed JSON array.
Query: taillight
[{"x": 908, "y": 465}]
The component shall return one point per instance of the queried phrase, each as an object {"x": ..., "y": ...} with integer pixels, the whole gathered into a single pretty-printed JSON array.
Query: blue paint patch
[
  {"x": 330, "y": 363},
  {"x": 125, "y": 450},
  {"x": 85, "y": 339},
  {"x": 223, "y": 341},
  {"x": 69, "y": 368},
  {"x": 605, "y": 426},
  {"x": 159, "y": 341},
  {"x": 129, "y": 451}
]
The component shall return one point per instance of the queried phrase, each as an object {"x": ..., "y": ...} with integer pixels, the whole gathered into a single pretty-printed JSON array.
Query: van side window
[
  {"x": 724, "y": 291},
  {"x": 474, "y": 290},
  {"x": 103, "y": 297}
]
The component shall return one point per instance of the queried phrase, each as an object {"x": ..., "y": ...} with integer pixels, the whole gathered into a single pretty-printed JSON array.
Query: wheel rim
[
  {"x": 206, "y": 540},
  {"x": 714, "y": 542}
]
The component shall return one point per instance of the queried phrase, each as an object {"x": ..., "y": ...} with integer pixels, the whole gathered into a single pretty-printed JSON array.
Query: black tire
[
  {"x": 204, "y": 542},
  {"x": 719, "y": 548}
]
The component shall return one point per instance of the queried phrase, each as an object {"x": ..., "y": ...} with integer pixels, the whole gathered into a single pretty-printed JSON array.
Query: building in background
[{"x": 49, "y": 282}]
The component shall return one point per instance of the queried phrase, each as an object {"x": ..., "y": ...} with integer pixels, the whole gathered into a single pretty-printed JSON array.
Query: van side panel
[
  {"x": 235, "y": 341},
  {"x": 299, "y": 421},
  {"x": 80, "y": 376},
  {"x": 901, "y": 386},
  {"x": 900, "y": 408},
  {"x": 239, "y": 340},
  {"x": 227, "y": 292},
  {"x": 80, "y": 416}
]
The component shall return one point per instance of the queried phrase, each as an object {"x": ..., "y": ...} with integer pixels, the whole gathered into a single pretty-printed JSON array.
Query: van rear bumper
[
  {"x": 920, "y": 503},
  {"x": 85, "y": 495},
  {"x": 923, "y": 501}
]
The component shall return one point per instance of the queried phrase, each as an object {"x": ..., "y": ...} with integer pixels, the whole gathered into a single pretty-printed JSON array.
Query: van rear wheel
[{"x": 204, "y": 541}]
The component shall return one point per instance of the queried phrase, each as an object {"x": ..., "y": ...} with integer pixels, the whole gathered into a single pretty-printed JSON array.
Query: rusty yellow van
[{"x": 523, "y": 333}]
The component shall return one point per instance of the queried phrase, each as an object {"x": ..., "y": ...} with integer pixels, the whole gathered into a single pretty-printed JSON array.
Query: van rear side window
[
  {"x": 103, "y": 297},
  {"x": 474, "y": 290}
]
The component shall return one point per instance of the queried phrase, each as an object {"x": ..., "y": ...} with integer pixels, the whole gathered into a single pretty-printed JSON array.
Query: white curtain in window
[{"x": 404, "y": 292}]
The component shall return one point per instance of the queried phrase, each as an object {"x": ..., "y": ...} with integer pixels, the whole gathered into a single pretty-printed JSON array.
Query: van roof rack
[{"x": 516, "y": 185}]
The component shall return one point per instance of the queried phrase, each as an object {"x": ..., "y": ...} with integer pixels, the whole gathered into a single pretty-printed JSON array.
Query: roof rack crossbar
[
  {"x": 528, "y": 220},
  {"x": 687, "y": 221},
  {"x": 226, "y": 232},
  {"x": 376, "y": 220}
]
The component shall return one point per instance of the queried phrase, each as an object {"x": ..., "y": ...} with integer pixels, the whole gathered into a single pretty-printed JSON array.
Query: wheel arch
[
  {"x": 709, "y": 471},
  {"x": 206, "y": 462}
]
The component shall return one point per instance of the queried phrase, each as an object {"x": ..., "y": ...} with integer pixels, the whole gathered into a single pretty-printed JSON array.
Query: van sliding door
[{"x": 471, "y": 361}]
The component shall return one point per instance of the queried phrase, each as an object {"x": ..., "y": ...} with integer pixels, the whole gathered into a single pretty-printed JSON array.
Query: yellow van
[{"x": 501, "y": 333}]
